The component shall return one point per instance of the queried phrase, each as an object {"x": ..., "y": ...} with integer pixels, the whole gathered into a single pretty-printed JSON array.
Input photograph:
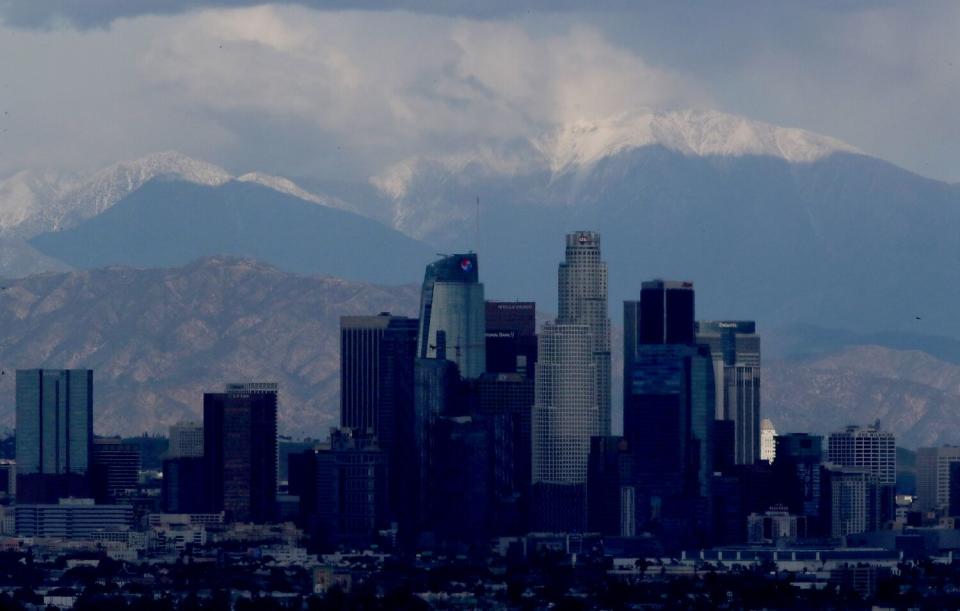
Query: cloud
[
  {"x": 396, "y": 84},
  {"x": 85, "y": 14}
]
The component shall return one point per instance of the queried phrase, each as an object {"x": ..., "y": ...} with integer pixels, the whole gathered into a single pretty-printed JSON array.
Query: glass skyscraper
[
  {"x": 452, "y": 314},
  {"x": 735, "y": 347},
  {"x": 368, "y": 348},
  {"x": 54, "y": 424},
  {"x": 240, "y": 450},
  {"x": 668, "y": 413}
]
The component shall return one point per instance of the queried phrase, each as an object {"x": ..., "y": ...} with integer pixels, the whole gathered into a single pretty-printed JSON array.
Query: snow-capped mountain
[
  {"x": 33, "y": 203},
  {"x": 578, "y": 146},
  {"x": 690, "y": 132}
]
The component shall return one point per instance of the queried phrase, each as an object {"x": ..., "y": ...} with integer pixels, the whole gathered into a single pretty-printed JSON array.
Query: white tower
[{"x": 583, "y": 301}]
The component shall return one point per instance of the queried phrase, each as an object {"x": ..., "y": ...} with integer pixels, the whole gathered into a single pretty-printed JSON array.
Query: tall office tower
[
  {"x": 869, "y": 448},
  {"x": 240, "y": 450},
  {"x": 506, "y": 403},
  {"x": 768, "y": 447},
  {"x": 364, "y": 370},
  {"x": 735, "y": 347},
  {"x": 451, "y": 301},
  {"x": 666, "y": 312},
  {"x": 436, "y": 394},
  {"x": 668, "y": 412},
  {"x": 186, "y": 440},
  {"x": 851, "y": 500},
  {"x": 344, "y": 496},
  {"x": 797, "y": 470},
  {"x": 667, "y": 421},
  {"x": 933, "y": 477},
  {"x": 54, "y": 433},
  {"x": 511, "y": 337},
  {"x": 582, "y": 300},
  {"x": 565, "y": 417},
  {"x": 115, "y": 467},
  {"x": 664, "y": 315}
]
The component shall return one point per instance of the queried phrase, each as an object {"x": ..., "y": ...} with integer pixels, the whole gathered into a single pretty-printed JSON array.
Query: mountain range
[
  {"x": 158, "y": 338},
  {"x": 854, "y": 256}
]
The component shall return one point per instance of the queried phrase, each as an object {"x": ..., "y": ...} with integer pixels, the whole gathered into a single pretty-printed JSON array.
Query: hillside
[
  {"x": 167, "y": 223},
  {"x": 157, "y": 339}
]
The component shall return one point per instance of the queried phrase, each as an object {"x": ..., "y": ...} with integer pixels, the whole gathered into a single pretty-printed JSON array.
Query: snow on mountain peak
[
  {"x": 281, "y": 184},
  {"x": 32, "y": 203},
  {"x": 691, "y": 132}
]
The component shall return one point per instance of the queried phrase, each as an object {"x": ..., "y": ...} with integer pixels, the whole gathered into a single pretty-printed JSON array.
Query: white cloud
[{"x": 398, "y": 82}]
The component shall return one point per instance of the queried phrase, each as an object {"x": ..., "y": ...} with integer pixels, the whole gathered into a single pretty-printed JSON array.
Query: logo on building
[{"x": 466, "y": 264}]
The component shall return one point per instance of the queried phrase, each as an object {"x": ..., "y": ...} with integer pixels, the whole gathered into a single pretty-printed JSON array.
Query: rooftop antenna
[{"x": 477, "y": 239}]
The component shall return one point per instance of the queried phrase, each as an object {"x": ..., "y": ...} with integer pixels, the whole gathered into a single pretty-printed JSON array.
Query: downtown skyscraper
[
  {"x": 54, "y": 433},
  {"x": 583, "y": 301},
  {"x": 572, "y": 389},
  {"x": 452, "y": 314},
  {"x": 735, "y": 347},
  {"x": 240, "y": 450},
  {"x": 668, "y": 413}
]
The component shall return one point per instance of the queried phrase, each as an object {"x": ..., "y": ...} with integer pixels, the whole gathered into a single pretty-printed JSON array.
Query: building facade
[
  {"x": 452, "y": 314},
  {"x": 54, "y": 423},
  {"x": 565, "y": 416},
  {"x": 735, "y": 346},
  {"x": 70, "y": 518},
  {"x": 115, "y": 468},
  {"x": 582, "y": 300},
  {"x": 797, "y": 466},
  {"x": 511, "y": 329},
  {"x": 933, "y": 477},
  {"x": 851, "y": 500},
  {"x": 768, "y": 434},
  {"x": 868, "y": 447},
  {"x": 345, "y": 500},
  {"x": 240, "y": 450},
  {"x": 186, "y": 440},
  {"x": 365, "y": 349}
]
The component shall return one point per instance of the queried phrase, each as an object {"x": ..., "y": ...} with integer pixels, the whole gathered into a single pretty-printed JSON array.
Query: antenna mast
[{"x": 477, "y": 239}]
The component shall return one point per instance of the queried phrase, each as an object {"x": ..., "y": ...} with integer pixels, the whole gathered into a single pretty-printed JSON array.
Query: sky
[{"x": 344, "y": 89}]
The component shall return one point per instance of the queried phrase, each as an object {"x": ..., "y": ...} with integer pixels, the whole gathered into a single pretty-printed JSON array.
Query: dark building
[
  {"x": 668, "y": 414},
  {"x": 240, "y": 450},
  {"x": 723, "y": 438},
  {"x": 461, "y": 480},
  {"x": 797, "y": 466},
  {"x": 364, "y": 383},
  {"x": 667, "y": 421},
  {"x": 343, "y": 497},
  {"x": 738, "y": 492},
  {"x": 735, "y": 347},
  {"x": 8, "y": 479},
  {"x": 506, "y": 401},
  {"x": 954, "y": 506},
  {"x": 666, "y": 313},
  {"x": 511, "y": 337},
  {"x": 54, "y": 424},
  {"x": 611, "y": 496},
  {"x": 185, "y": 487},
  {"x": 437, "y": 392},
  {"x": 115, "y": 469}
]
